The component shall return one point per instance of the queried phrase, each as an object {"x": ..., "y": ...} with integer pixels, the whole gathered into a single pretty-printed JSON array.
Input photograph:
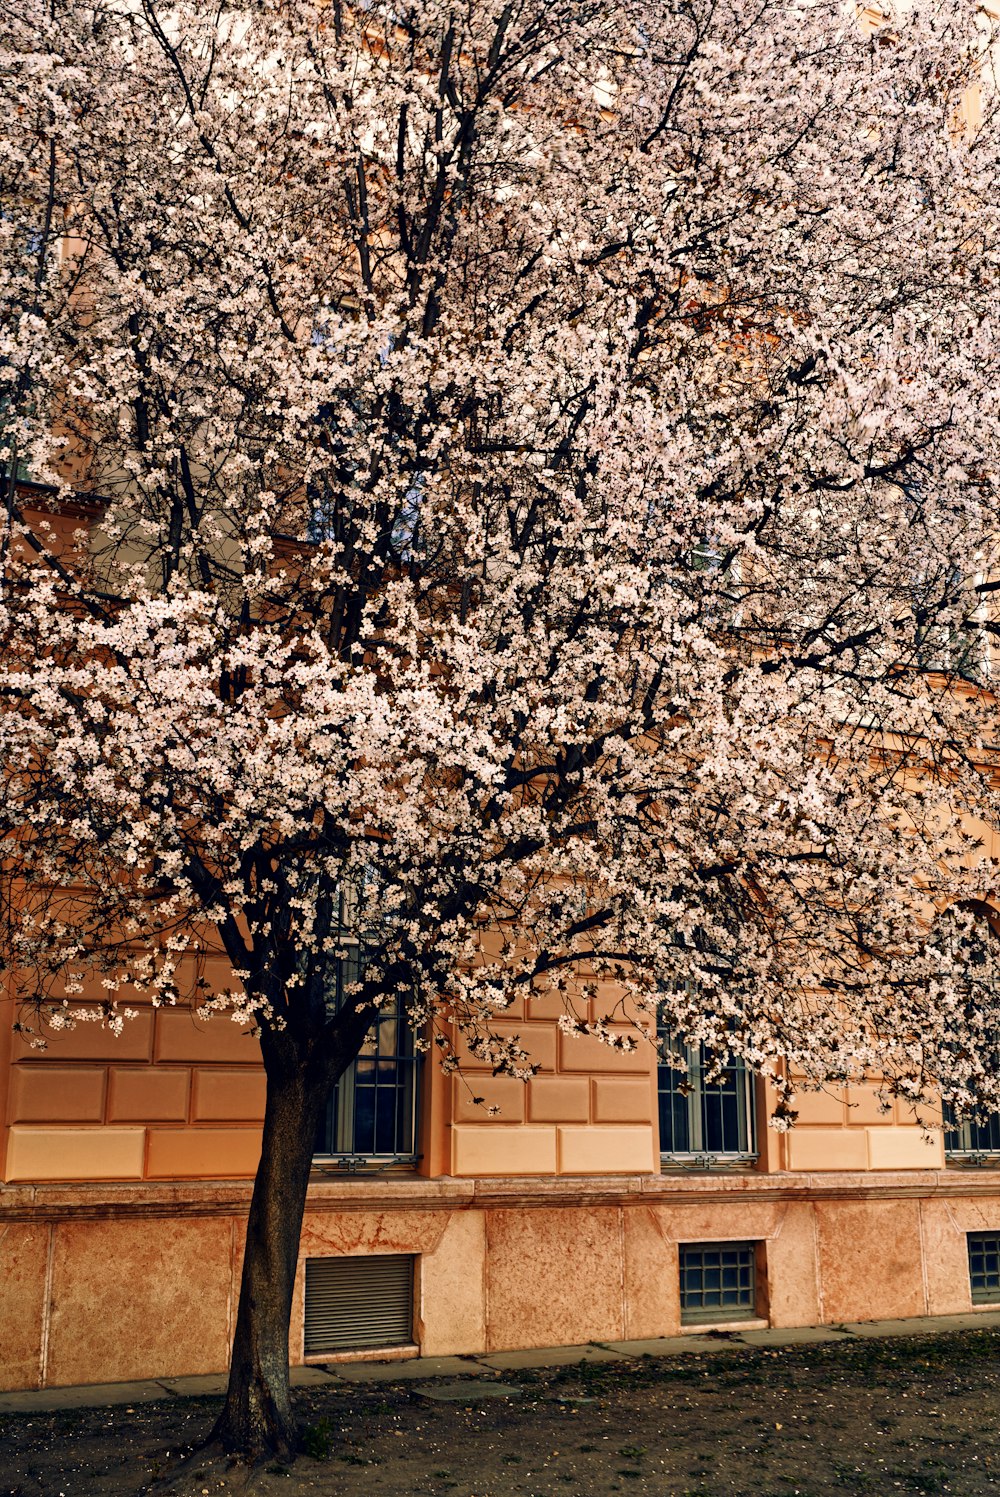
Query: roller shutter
[{"x": 358, "y": 1302}]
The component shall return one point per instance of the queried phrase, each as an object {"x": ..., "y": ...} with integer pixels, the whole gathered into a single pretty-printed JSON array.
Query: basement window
[
  {"x": 718, "y": 1282},
  {"x": 984, "y": 1267},
  {"x": 358, "y": 1303}
]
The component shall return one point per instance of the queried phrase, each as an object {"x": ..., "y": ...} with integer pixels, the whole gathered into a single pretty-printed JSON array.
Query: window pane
[
  {"x": 985, "y": 1137},
  {"x": 721, "y": 1111},
  {"x": 984, "y": 1267},
  {"x": 675, "y": 1130},
  {"x": 371, "y": 1112},
  {"x": 387, "y": 1035},
  {"x": 717, "y": 1281},
  {"x": 714, "y": 1118},
  {"x": 970, "y": 1137},
  {"x": 363, "y": 1141}
]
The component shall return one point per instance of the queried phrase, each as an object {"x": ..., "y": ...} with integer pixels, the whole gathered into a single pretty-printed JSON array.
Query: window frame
[
  {"x": 699, "y": 1156},
  {"x": 339, "y": 1122},
  {"x": 721, "y": 1314},
  {"x": 985, "y": 1242},
  {"x": 340, "y": 1118},
  {"x": 966, "y": 1150}
]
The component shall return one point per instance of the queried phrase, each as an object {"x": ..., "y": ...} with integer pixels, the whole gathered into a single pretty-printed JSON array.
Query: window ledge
[
  {"x": 362, "y": 1354},
  {"x": 746, "y": 1323},
  {"x": 708, "y": 1164},
  {"x": 343, "y": 1167}
]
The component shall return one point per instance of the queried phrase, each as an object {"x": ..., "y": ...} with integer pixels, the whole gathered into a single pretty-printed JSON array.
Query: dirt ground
[{"x": 901, "y": 1416}]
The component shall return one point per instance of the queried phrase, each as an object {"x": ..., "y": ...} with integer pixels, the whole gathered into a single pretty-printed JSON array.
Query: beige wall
[
  {"x": 178, "y": 1098},
  {"x": 848, "y": 1128},
  {"x": 175, "y": 1097},
  {"x": 589, "y": 1110},
  {"x": 171, "y": 1098}
]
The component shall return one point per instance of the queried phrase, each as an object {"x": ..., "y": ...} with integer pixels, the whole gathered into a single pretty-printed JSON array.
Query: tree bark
[{"x": 257, "y": 1421}]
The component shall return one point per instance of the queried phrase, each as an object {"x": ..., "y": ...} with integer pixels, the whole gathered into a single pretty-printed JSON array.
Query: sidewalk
[{"x": 415, "y": 1369}]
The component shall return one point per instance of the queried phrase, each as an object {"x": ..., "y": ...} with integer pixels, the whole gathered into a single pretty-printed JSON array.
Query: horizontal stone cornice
[{"x": 374, "y": 1193}]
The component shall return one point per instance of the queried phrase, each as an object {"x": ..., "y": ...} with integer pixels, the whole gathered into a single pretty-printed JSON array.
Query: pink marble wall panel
[
  {"x": 138, "y": 1299},
  {"x": 946, "y": 1258},
  {"x": 555, "y": 1276},
  {"x": 718, "y": 1221},
  {"x": 792, "y": 1291},
  {"x": 335, "y": 1233},
  {"x": 869, "y": 1255},
  {"x": 23, "y": 1256},
  {"x": 652, "y": 1284},
  {"x": 452, "y": 1280}
]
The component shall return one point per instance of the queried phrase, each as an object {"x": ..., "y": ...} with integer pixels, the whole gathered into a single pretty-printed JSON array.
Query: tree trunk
[{"x": 256, "y": 1421}]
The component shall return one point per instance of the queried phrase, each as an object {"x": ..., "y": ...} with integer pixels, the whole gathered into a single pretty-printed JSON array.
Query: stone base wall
[{"x": 104, "y": 1283}]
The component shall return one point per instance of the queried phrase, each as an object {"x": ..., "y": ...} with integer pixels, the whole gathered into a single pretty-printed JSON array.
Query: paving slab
[
  {"x": 309, "y": 1377},
  {"x": 469, "y": 1392},
  {"x": 85, "y": 1396},
  {"x": 922, "y": 1325},
  {"x": 975, "y": 1320},
  {"x": 416, "y": 1368},
  {"x": 798, "y": 1335},
  {"x": 549, "y": 1356},
  {"x": 202, "y": 1385},
  {"x": 671, "y": 1346}
]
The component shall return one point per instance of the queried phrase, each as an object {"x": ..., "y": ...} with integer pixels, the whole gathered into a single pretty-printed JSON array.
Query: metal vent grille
[{"x": 359, "y": 1302}]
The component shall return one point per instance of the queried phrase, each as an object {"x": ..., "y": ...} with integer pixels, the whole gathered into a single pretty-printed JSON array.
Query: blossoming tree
[{"x": 536, "y": 476}]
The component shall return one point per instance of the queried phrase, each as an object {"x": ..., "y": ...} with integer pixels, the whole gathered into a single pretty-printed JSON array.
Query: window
[
  {"x": 984, "y": 1267},
  {"x": 971, "y": 1143},
  {"x": 948, "y": 634},
  {"x": 21, "y": 472},
  {"x": 370, "y": 1118},
  {"x": 371, "y": 1115},
  {"x": 714, "y": 583},
  {"x": 967, "y": 934},
  {"x": 704, "y": 1123},
  {"x": 718, "y": 1281},
  {"x": 358, "y": 1302}
]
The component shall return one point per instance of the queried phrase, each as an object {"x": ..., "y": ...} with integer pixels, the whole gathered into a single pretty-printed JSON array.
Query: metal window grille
[
  {"x": 717, "y": 1281},
  {"x": 970, "y": 1141},
  {"x": 702, "y": 1122},
  {"x": 984, "y": 1267},
  {"x": 948, "y": 634},
  {"x": 371, "y": 1114},
  {"x": 358, "y": 1302},
  {"x": 967, "y": 1140}
]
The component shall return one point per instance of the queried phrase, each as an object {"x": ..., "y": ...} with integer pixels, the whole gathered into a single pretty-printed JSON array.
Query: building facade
[{"x": 610, "y": 1198}]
